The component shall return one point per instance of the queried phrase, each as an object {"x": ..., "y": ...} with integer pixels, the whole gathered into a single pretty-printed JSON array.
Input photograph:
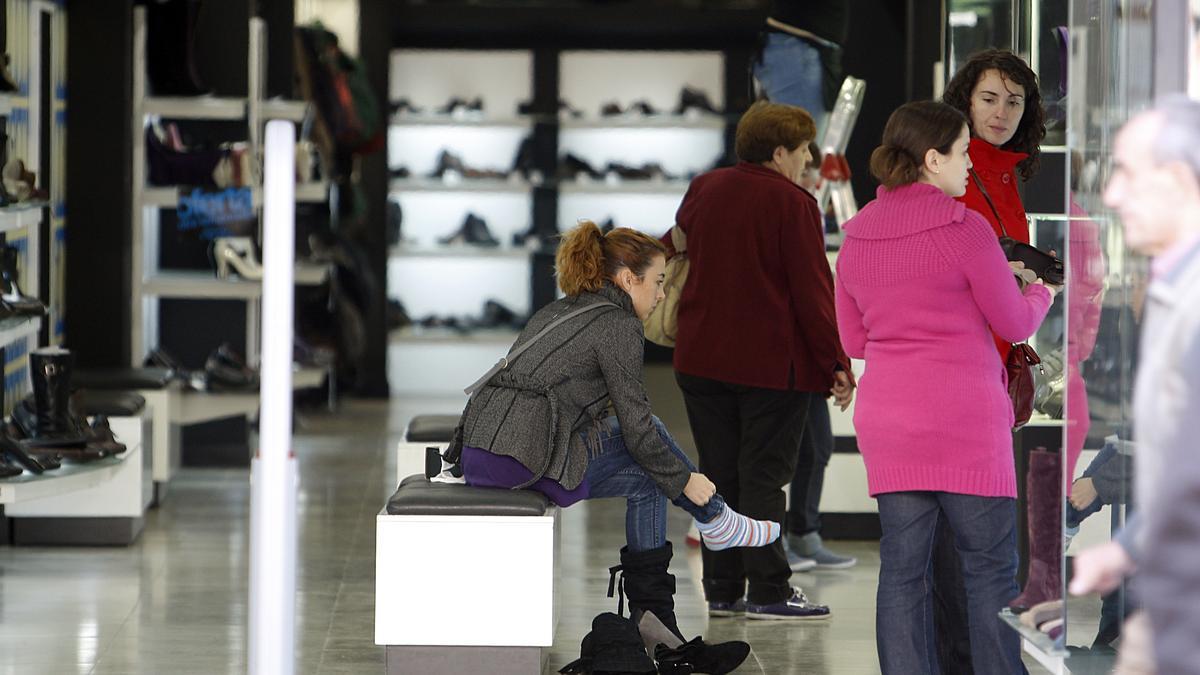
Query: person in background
[
  {"x": 800, "y": 61},
  {"x": 1155, "y": 188},
  {"x": 757, "y": 339},
  {"x": 570, "y": 418},
  {"x": 921, "y": 281},
  {"x": 999, "y": 95}
]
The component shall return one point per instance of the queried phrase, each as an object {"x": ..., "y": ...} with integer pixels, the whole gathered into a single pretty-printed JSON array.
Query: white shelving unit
[{"x": 151, "y": 283}]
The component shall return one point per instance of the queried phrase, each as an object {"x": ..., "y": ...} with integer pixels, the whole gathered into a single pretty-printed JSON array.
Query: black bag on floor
[{"x": 613, "y": 647}]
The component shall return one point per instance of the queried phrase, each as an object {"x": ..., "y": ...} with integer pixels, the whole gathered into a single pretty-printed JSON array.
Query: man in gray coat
[{"x": 1155, "y": 187}]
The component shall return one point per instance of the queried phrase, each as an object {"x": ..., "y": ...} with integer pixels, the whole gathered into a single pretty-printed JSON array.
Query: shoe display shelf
[
  {"x": 430, "y": 277},
  {"x": 151, "y": 283},
  {"x": 102, "y": 502},
  {"x": 680, "y": 144}
]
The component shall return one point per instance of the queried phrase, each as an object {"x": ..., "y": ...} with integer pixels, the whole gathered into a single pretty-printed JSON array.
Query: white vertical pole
[{"x": 273, "y": 475}]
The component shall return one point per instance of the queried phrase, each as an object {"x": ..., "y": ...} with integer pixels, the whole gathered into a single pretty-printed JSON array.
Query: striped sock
[{"x": 731, "y": 529}]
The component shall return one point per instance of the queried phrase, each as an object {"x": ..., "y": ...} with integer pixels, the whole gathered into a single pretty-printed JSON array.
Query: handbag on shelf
[
  {"x": 662, "y": 326},
  {"x": 1021, "y": 358}
]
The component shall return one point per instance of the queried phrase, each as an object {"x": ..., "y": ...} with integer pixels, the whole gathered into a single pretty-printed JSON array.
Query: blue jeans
[
  {"x": 985, "y": 537},
  {"x": 613, "y": 472},
  {"x": 790, "y": 72}
]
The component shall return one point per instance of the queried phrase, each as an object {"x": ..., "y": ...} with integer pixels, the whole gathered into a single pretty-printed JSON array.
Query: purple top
[{"x": 485, "y": 469}]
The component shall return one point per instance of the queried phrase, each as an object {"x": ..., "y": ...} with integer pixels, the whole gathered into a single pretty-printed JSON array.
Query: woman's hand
[
  {"x": 699, "y": 489},
  {"x": 1083, "y": 493},
  {"x": 843, "y": 389},
  {"x": 1054, "y": 290},
  {"x": 1024, "y": 276}
]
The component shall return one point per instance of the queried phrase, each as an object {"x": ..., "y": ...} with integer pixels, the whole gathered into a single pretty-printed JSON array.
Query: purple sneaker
[
  {"x": 795, "y": 608},
  {"x": 735, "y": 608}
]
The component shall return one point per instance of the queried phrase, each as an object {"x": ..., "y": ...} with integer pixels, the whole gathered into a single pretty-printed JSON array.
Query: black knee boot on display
[
  {"x": 1045, "y": 502},
  {"x": 45, "y": 418},
  {"x": 651, "y": 593}
]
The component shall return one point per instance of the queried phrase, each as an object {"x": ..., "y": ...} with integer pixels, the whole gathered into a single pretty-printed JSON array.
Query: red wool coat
[{"x": 757, "y": 309}]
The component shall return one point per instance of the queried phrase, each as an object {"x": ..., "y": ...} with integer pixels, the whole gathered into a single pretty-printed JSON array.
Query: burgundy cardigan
[{"x": 757, "y": 309}]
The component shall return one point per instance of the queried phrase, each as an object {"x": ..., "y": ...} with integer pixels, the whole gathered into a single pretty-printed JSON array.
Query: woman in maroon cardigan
[{"x": 757, "y": 338}]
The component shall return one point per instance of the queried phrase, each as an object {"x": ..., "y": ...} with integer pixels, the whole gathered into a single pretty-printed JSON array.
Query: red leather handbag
[{"x": 1021, "y": 360}]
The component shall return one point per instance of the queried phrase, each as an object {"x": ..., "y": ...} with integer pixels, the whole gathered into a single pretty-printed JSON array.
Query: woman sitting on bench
[{"x": 570, "y": 418}]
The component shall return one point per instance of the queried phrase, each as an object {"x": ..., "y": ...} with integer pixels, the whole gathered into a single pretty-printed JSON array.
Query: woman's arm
[
  {"x": 1012, "y": 313},
  {"x": 850, "y": 323},
  {"x": 620, "y": 355}
]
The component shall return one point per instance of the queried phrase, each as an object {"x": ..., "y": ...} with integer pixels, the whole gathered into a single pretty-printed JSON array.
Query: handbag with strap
[
  {"x": 1022, "y": 357},
  {"x": 662, "y": 326}
]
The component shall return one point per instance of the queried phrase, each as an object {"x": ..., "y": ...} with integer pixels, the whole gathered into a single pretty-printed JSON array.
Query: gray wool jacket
[{"x": 535, "y": 410}]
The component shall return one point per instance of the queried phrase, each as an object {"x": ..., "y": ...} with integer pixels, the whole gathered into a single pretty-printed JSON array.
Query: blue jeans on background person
[
  {"x": 985, "y": 536},
  {"x": 790, "y": 72},
  {"x": 613, "y": 472}
]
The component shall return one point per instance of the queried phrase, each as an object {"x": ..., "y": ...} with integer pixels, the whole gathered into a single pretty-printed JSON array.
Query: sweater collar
[
  {"x": 760, "y": 170},
  {"x": 905, "y": 210},
  {"x": 986, "y": 156},
  {"x": 614, "y": 294}
]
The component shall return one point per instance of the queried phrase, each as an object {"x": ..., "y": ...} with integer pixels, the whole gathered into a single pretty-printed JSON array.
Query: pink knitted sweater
[{"x": 919, "y": 281}]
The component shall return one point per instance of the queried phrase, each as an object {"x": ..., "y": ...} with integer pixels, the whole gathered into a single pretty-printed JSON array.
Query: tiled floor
[{"x": 176, "y": 601}]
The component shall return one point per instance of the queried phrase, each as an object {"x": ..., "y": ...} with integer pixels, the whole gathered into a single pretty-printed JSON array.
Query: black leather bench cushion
[
  {"x": 111, "y": 403},
  {"x": 121, "y": 378},
  {"x": 417, "y": 496},
  {"x": 431, "y": 428}
]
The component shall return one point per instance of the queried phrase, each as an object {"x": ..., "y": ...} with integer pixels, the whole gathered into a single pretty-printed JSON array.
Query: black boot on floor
[{"x": 651, "y": 593}]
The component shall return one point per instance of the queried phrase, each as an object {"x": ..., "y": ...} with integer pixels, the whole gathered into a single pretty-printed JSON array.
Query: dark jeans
[
  {"x": 613, "y": 472},
  {"x": 985, "y": 537},
  {"x": 816, "y": 447},
  {"x": 950, "y": 622},
  {"x": 747, "y": 439}
]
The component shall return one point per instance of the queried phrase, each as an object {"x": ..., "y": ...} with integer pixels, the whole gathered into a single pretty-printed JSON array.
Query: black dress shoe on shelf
[
  {"x": 534, "y": 238},
  {"x": 7, "y": 83},
  {"x": 570, "y": 166},
  {"x": 473, "y": 231},
  {"x": 9, "y": 470},
  {"x": 225, "y": 369},
  {"x": 523, "y": 161},
  {"x": 458, "y": 105},
  {"x": 12, "y": 453},
  {"x": 403, "y": 106},
  {"x": 101, "y": 437},
  {"x": 611, "y": 109},
  {"x": 643, "y": 108},
  {"x": 496, "y": 315},
  {"x": 694, "y": 99}
]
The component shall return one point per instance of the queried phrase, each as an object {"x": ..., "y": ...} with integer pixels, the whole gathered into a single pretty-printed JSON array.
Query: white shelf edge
[
  {"x": 67, "y": 478},
  {"x": 311, "y": 274},
  {"x": 195, "y": 107},
  {"x": 410, "y": 335},
  {"x": 20, "y": 216},
  {"x": 465, "y": 185},
  {"x": 433, "y": 120},
  {"x": 199, "y": 285},
  {"x": 704, "y": 123},
  {"x": 648, "y": 187},
  {"x": 459, "y": 252},
  {"x": 15, "y": 328},
  {"x": 279, "y": 109},
  {"x": 167, "y": 197},
  {"x": 317, "y": 191},
  {"x": 308, "y": 377},
  {"x": 6, "y": 104},
  {"x": 197, "y": 406}
]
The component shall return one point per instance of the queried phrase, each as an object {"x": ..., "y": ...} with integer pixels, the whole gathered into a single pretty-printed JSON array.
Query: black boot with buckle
[{"x": 651, "y": 592}]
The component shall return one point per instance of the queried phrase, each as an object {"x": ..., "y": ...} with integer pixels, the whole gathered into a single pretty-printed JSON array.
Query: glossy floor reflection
[{"x": 176, "y": 601}]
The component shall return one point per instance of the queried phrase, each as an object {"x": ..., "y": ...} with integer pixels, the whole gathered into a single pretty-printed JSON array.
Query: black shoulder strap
[{"x": 979, "y": 184}]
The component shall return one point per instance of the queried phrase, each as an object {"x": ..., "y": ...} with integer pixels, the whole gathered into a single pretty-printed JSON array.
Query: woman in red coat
[{"x": 998, "y": 93}]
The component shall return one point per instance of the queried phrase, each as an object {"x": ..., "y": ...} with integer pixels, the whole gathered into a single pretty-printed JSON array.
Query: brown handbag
[{"x": 1021, "y": 360}]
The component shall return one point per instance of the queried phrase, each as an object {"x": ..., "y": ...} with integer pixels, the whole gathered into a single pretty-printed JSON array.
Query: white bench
[{"x": 465, "y": 578}]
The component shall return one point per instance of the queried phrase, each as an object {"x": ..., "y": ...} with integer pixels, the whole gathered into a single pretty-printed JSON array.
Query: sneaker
[
  {"x": 795, "y": 608},
  {"x": 797, "y": 562},
  {"x": 810, "y": 546},
  {"x": 735, "y": 608}
]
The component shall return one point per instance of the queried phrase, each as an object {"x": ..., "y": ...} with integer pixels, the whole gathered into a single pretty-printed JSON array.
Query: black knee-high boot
[{"x": 651, "y": 593}]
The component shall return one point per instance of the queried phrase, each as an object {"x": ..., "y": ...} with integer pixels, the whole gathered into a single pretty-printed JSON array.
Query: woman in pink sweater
[{"x": 921, "y": 283}]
